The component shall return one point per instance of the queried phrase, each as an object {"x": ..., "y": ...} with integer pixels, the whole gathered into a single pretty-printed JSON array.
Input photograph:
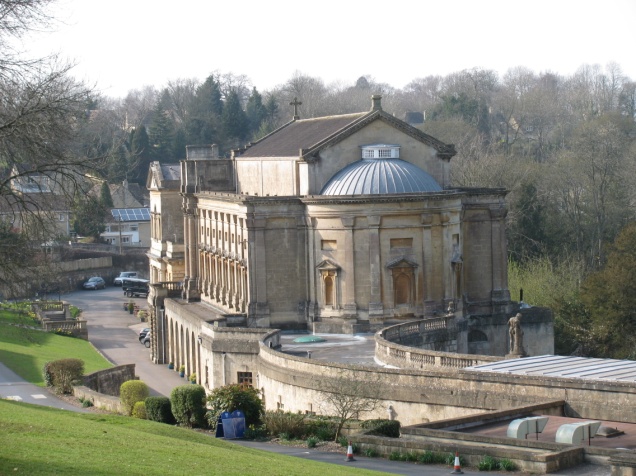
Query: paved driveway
[{"x": 114, "y": 332}]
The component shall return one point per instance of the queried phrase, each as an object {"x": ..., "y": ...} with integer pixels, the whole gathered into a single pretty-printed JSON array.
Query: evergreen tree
[
  {"x": 235, "y": 122},
  {"x": 141, "y": 152},
  {"x": 161, "y": 134},
  {"x": 105, "y": 198},
  {"x": 255, "y": 111},
  {"x": 179, "y": 144},
  {"x": 203, "y": 122},
  {"x": 89, "y": 217}
]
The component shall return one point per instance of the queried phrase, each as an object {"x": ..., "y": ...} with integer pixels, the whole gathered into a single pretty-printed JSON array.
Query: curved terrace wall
[{"x": 297, "y": 384}]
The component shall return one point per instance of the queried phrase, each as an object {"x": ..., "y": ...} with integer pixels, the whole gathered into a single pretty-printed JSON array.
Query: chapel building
[{"x": 340, "y": 224}]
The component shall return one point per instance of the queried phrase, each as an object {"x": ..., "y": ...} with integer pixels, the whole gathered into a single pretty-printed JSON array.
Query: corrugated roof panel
[{"x": 564, "y": 367}]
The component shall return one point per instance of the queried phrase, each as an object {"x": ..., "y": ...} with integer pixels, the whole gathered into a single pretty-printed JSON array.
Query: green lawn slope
[
  {"x": 45, "y": 441},
  {"x": 25, "y": 351}
]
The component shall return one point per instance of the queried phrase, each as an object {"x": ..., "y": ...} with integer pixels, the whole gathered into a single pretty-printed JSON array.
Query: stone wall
[
  {"x": 108, "y": 381},
  {"x": 427, "y": 395}
]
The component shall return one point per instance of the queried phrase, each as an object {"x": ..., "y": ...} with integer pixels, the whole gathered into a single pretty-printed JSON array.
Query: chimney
[{"x": 376, "y": 102}]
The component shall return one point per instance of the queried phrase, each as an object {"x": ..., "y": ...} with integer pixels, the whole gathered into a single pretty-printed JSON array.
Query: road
[{"x": 115, "y": 333}]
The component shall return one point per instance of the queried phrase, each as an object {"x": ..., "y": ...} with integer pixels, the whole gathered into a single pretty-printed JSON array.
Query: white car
[{"x": 124, "y": 275}]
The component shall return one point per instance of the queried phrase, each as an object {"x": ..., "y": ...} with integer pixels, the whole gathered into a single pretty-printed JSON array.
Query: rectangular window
[
  {"x": 329, "y": 245},
  {"x": 134, "y": 227},
  {"x": 61, "y": 217},
  {"x": 401, "y": 243},
  {"x": 125, "y": 239},
  {"x": 244, "y": 378}
]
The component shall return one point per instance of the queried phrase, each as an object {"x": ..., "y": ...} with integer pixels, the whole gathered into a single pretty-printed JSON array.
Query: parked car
[
  {"x": 95, "y": 283},
  {"x": 143, "y": 333},
  {"x": 146, "y": 340},
  {"x": 135, "y": 287},
  {"x": 124, "y": 274}
]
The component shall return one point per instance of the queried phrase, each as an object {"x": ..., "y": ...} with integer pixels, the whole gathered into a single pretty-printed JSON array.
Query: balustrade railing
[{"x": 392, "y": 346}]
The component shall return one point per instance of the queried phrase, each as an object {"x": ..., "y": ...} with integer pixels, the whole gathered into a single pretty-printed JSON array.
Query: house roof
[
  {"x": 305, "y": 138},
  {"x": 288, "y": 140},
  {"x": 165, "y": 176}
]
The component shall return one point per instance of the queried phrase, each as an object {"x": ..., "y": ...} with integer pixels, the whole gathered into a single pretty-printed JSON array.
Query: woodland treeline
[{"x": 564, "y": 147}]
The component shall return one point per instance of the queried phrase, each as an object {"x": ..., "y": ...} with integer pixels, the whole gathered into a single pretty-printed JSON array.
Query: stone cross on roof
[{"x": 295, "y": 103}]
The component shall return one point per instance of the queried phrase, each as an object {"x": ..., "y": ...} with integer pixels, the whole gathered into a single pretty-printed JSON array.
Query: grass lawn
[
  {"x": 43, "y": 441},
  {"x": 25, "y": 351}
]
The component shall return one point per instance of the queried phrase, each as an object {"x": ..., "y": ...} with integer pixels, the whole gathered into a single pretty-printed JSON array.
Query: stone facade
[{"x": 337, "y": 224}]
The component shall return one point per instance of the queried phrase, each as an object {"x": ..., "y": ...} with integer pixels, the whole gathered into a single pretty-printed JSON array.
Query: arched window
[
  {"x": 329, "y": 290},
  {"x": 328, "y": 273},
  {"x": 402, "y": 290}
]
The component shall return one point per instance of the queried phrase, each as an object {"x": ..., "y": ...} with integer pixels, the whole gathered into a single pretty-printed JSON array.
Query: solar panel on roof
[{"x": 131, "y": 214}]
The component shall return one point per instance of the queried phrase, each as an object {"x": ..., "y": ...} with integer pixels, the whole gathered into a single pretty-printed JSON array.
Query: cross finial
[{"x": 295, "y": 103}]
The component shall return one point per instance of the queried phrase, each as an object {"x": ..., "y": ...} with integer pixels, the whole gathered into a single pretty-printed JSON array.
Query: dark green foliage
[
  {"x": 609, "y": 297},
  {"x": 255, "y": 111},
  {"x": 371, "y": 453},
  {"x": 205, "y": 115},
  {"x": 62, "y": 373},
  {"x": 62, "y": 332},
  {"x": 161, "y": 134},
  {"x": 507, "y": 465},
  {"x": 89, "y": 217},
  {"x": 488, "y": 463},
  {"x": 131, "y": 392},
  {"x": 323, "y": 429},
  {"x": 290, "y": 424},
  {"x": 105, "y": 197},
  {"x": 235, "y": 122},
  {"x": 188, "y": 405},
  {"x": 254, "y": 432},
  {"x": 381, "y": 427},
  {"x": 159, "y": 409},
  {"x": 235, "y": 397},
  {"x": 312, "y": 441}
]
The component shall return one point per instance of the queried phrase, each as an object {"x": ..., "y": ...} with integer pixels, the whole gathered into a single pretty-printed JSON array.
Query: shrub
[
  {"x": 324, "y": 430},
  {"x": 48, "y": 376},
  {"x": 371, "y": 453},
  {"x": 395, "y": 456},
  {"x": 188, "y": 405},
  {"x": 285, "y": 423},
  {"x": 488, "y": 463},
  {"x": 131, "y": 392},
  {"x": 507, "y": 465},
  {"x": 63, "y": 372},
  {"x": 75, "y": 312},
  {"x": 87, "y": 403},
  {"x": 235, "y": 397},
  {"x": 312, "y": 441},
  {"x": 139, "y": 410},
  {"x": 343, "y": 441},
  {"x": 158, "y": 409},
  {"x": 390, "y": 428},
  {"x": 254, "y": 432}
]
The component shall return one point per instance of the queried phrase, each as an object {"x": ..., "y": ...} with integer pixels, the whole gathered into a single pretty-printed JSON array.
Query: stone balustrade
[{"x": 393, "y": 347}]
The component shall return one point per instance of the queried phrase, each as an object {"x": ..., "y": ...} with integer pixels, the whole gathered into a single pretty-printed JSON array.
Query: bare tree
[
  {"x": 347, "y": 398},
  {"x": 41, "y": 111}
]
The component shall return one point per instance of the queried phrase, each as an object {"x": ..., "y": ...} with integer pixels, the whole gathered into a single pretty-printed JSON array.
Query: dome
[{"x": 378, "y": 177}]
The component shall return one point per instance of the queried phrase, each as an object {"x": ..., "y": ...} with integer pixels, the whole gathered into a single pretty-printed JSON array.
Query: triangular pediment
[
  {"x": 401, "y": 262},
  {"x": 327, "y": 265}
]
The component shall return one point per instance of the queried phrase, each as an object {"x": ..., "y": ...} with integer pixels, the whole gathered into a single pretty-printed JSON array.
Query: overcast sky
[{"x": 121, "y": 45}]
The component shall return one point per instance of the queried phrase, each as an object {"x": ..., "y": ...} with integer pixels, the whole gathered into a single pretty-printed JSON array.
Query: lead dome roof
[{"x": 378, "y": 177}]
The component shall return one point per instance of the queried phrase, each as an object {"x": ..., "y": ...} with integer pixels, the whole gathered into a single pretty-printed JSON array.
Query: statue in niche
[{"x": 516, "y": 334}]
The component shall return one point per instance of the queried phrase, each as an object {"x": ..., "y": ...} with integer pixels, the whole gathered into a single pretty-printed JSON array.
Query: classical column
[
  {"x": 350, "y": 307},
  {"x": 427, "y": 252},
  {"x": 375, "y": 267},
  {"x": 499, "y": 259},
  {"x": 191, "y": 291},
  {"x": 447, "y": 251}
]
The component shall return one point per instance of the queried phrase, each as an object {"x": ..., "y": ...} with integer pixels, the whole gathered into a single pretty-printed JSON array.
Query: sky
[{"x": 121, "y": 45}]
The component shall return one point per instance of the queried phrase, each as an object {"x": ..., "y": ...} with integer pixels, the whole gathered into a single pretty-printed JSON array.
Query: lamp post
[{"x": 119, "y": 218}]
